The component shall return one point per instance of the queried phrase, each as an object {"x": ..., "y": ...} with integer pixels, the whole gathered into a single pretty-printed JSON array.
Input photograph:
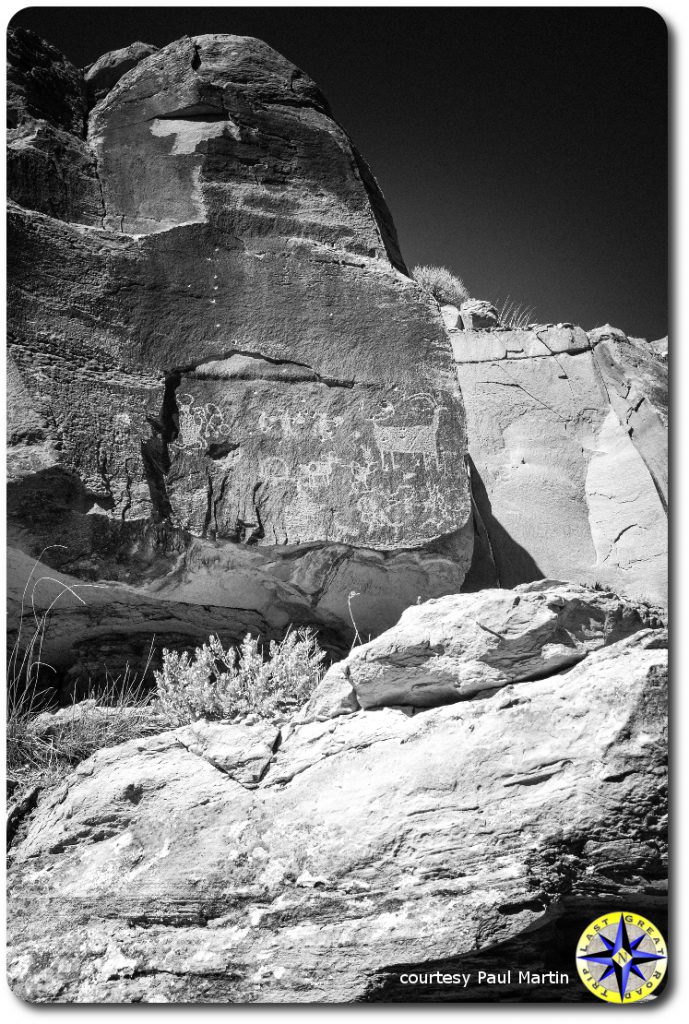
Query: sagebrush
[
  {"x": 215, "y": 683},
  {"x": 442, "y": 284}
]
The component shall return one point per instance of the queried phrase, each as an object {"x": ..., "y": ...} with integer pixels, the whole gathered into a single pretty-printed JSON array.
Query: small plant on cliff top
[
  {"x": 515, "y": 315},
  {"x": 219, "y": 684},
  {"x": 444, "y": 286}
]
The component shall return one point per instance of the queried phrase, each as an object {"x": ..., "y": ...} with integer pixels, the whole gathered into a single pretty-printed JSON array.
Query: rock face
[
  {"x": 568, "y": 457},
  {"x": 213, "y": 334},
  {"x": 457, "y": 647},
  {"x": 50, "y": 166},
  {"x": 216, "y": 864}
]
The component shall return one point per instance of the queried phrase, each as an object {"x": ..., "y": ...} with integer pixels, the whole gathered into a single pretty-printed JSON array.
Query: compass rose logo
[{"x": 621, "y": 957}]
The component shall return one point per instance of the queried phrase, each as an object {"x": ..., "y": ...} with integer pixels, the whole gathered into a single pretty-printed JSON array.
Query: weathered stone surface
[
  {"x": 636, "y": 383},
  {"x": 477, "y": 314},
  {"x": 243, "y": 752},
  {"x": 43, "y": 85},
  {"x": 106, "y": 72},
  {"x": 568, "y": 456},
  {"x": 50, "y": 166},
  {"x": 456, "y": 647},
  {"x": 153, "y": 876},
  {"x": 231, "y": 349}
]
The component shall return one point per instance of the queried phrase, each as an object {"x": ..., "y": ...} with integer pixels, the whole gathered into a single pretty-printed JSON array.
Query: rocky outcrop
[
  {"x": 464, "y": 645},
  {"x": 105, "y": 73},
  {"x": 477, "y": 315},
  {"x": 50, "y": 166},
  {"x": 567, "y": 457},
  {"x": 228, "y": 863},
  {"x": 214, "y": 340}
]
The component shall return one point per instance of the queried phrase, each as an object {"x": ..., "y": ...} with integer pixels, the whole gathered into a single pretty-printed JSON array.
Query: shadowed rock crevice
[{"x": 513, "y": 563}]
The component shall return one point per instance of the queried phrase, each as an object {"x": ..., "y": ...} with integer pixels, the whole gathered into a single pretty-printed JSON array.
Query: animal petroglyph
[
  {"x": 410, "y": 439},
  {"x": 291, "y": 424},
  {"x": 200, "y": 425},
  {"x": 274, "y": 468},
  {"x": 319, "y": 474}
]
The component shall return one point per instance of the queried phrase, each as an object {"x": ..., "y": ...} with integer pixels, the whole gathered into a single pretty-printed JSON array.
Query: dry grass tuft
[{"x": 515, "y": 315}]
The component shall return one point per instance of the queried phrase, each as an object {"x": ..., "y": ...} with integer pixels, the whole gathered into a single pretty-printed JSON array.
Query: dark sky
[{"x": 523, "y": 148}]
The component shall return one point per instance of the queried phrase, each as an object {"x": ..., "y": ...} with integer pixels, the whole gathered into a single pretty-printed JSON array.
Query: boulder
[
  {"x": 232, "y": 353},
  {"x": 103, "y": 74},
  {"x": 373, "y": 844},
  {"x": 478, "y": 314},
  {"x": 567, "y": 457},
  {"x": 464, "y": 645}
]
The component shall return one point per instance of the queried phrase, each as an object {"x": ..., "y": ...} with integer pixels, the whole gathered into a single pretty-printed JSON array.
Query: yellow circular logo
[{"x": 621, "y": 957}]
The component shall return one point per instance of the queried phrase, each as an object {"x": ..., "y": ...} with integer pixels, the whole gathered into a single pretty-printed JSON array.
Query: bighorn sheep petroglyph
[{"x": 412, "y": 439}]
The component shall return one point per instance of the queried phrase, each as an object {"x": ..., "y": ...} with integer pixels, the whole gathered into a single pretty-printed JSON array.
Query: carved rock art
[
  {"x": 198, "y": 426},
  {"x": 409, "y": 439}
]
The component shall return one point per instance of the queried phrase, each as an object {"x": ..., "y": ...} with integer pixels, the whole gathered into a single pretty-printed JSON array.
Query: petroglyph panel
[{"x": 320, "y": 466}]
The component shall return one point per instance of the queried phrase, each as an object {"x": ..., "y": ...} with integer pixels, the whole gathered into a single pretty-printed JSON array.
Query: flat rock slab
[{"x": 457, "y": 647}]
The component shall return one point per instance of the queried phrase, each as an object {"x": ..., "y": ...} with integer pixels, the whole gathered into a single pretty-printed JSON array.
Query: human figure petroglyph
[
  {"x": 325, "y": 425},
  {"x": 362, "y": 471},
  {"x": 410, "y": 439},
  {"x": 197, "y": 426}
]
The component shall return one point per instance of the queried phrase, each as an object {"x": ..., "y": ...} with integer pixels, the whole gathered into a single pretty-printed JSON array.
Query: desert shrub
[
  {"x": 443, "y": 285},
  {"x": 515, "y": 315},
  {"x": 218, "y": 684}
]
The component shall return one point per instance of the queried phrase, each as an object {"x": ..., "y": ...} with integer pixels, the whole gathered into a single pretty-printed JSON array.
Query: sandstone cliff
[
  {"x": 568, "y": 457},
  {"x": 217, "y": 354},
  {"x": 231, "y": 410}
]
